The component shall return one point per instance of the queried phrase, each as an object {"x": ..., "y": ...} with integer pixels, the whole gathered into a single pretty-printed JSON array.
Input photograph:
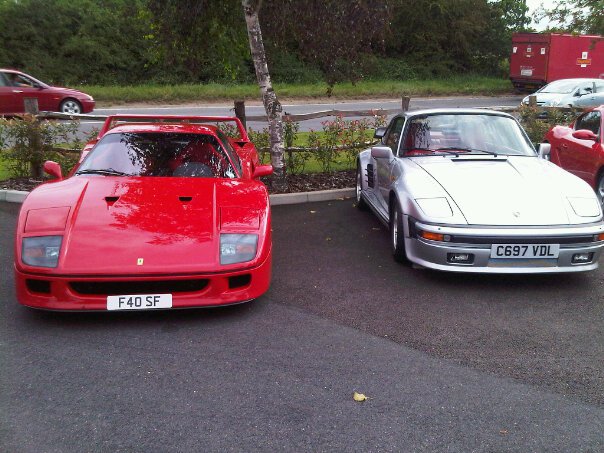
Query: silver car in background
[
  {"x": 464, "y": 190},
  {"x": 578, "y": 93}
]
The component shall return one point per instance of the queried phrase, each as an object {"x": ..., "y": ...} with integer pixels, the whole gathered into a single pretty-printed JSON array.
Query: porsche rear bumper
[
  {"x": 477, "y": 244},
  {"x": 90, "y": 292}
]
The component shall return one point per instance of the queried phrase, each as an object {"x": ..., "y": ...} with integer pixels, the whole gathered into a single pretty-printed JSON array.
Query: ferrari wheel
[
  {"x": 71, "y": 107},
  {"x": 361, "y": 204},
  {"x": 397, "y": 233},
  {"x": 600, "y": 189}
]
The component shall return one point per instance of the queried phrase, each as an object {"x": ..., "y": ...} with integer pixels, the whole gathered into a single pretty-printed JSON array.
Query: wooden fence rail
[{"x": 239, "y": 109}]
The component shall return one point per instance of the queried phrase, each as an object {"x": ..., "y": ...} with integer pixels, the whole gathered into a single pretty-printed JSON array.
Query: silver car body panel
[
  {"x": 491, "y": 200},
  {"x": 578, "y": 97}
]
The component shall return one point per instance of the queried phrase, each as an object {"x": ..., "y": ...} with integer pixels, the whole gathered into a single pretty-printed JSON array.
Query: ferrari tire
[
  {"x": 70, "y": 106},
  {"x": 397, "y": 233},
  {"x": 361, "y": 204}
]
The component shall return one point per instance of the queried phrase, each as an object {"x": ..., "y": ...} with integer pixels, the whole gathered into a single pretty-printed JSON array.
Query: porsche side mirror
[
  {"x": 262, "y": 170},
  {"x": 53, "y": 169},
  {"x": 585, "y": 134},
  {"x": 381, "y": 152},
  {"x": 545, "y": 150},
  {"x": 379, "y": 132}
]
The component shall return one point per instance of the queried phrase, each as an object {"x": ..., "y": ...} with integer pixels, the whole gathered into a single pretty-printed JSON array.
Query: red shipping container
[{"x": 541, "y": 58}]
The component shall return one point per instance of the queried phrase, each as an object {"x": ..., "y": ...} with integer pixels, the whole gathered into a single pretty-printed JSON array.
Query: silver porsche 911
[{"x": 464, "y": 190}]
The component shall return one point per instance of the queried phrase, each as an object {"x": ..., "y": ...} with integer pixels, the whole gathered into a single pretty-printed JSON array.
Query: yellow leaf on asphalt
[
  {"x": 312, "y": 212},
  {"x": 359, "y": 397}
]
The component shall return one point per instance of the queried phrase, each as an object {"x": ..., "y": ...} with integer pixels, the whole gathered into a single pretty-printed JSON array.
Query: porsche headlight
[
  {"x": 585, "y": 207},
  {"x": 41, "y": 251},
  {"x": 435, "y": 207},
  {"x": 237, "y": 248}
]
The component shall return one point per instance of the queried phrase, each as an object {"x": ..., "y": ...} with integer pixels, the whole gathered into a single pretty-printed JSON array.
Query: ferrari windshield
[
  {"x": 467, "y": 133},
  {"x": 158, "y": 154}
]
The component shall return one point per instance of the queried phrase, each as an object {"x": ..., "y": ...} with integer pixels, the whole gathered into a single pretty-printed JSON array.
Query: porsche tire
[
  {"x": 600, "y": 188},
  {"x": 360, "y": 203},
  {"x": 397, "y": 233}
]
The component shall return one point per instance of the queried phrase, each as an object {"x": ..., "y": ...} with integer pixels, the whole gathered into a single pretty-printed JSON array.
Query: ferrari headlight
[
  {"x": 435, "y": 207},
  {"x": 41, "y": 251},
  {"x": 585, "y": 207},
  {"x": 237, "y": 248}
]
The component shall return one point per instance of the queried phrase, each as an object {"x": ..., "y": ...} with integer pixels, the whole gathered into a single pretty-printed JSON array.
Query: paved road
[
  {"x": 450, "y": 363},
  {"x": 416, "y": 103}
]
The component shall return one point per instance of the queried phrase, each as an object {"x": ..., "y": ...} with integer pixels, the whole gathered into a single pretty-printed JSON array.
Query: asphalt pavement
[{"x": 449, "y": 362}]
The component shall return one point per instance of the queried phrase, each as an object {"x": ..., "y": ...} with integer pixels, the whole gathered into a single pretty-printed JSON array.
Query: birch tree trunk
[{"x": 274, "y": 110}]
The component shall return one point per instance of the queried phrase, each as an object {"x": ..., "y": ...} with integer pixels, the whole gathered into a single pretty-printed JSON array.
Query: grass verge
[{"x": 161, "y": 94}]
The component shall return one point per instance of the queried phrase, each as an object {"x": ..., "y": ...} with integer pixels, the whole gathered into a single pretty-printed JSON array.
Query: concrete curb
[{"x": 17, "y": 196}]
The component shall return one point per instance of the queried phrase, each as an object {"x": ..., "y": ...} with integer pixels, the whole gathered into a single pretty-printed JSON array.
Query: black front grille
[
  {"x": 518, "y": 240},
  {"x": 115, "y": 288},
  {"x": 38, "y": 286}
]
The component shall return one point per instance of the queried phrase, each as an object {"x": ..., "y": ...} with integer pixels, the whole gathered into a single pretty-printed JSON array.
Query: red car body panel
[
  {"x": 140, "y": 231},
  {"x": 584, "y": 158},
  {"x": 49, "y": 97}
]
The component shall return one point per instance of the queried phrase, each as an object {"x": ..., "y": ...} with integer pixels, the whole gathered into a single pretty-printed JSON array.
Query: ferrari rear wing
[{"x": 113, "y": 121}]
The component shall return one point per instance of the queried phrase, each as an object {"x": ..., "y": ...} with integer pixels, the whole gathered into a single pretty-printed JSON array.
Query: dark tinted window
[
  {"x": 3, "y": 81},
  {"x": 467, "y": 132},
  {"x": 394, "y": 134},
  {"x": 589, "y": 121},
  {"x": 159, "y": 154},
  {"x": 229, "y": 149}
]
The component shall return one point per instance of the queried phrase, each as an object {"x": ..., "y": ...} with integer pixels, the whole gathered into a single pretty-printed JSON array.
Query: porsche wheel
[
  {"x": 600, "y": 188},
  {"x": 397, "y": 233},
  {"x": 361, "y": 204},
  {"x": 71, "y": 107}
]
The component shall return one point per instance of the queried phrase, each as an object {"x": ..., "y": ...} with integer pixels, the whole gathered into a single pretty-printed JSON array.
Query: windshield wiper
[
  {"x": 432, "y": 150},
  {"x": 467, "y": 150},
  {"x": 102, "y": 171}
]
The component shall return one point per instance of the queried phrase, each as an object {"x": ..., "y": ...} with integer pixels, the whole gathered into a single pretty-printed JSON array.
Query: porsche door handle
[{"x": 17, "y": 91}]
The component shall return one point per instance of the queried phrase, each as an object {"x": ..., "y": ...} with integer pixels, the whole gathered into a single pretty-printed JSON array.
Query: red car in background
[
  {"x": 578, "y": 148},
  {"x": 160, "y": 212},
  {"x": 15, "y": 86}
]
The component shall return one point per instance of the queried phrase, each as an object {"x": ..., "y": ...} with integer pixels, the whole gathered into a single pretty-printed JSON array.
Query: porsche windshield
[
  {"x": 467, "y": 133},
  {"x": 158, "y": 154}
]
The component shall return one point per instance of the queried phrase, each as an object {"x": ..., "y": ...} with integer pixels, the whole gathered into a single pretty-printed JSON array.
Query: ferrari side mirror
[
  {"x": 585, "y": 134},
  {"x": 262, "y": 170},
  {"x": 53, "y": 169}
]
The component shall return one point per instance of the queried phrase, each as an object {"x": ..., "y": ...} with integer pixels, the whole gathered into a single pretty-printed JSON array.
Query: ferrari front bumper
[{"x": 56, "y": 292}]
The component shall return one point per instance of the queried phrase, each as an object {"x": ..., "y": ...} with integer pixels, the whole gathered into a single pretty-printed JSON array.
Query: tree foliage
[
  {"x": 181, "y": 41},
  {"x": 87, "y": 42},
  {"x": 330, "y": 35},
  {"x": 579, "y": 16}
]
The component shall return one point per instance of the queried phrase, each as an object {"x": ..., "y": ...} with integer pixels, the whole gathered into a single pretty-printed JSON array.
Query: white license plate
[
  {"x": 526, "y": 72},
  {"x": 139, "y": 301},
  {"x": 525, "y": 250}
]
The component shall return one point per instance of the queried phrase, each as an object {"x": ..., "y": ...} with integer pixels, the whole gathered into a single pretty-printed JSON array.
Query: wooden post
[
  {"x": 533, "y": 100},
  {"x": 31, "y": 106},
  {"x": 240, "y": 112},
  {"x": 405, "y": 103}
]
